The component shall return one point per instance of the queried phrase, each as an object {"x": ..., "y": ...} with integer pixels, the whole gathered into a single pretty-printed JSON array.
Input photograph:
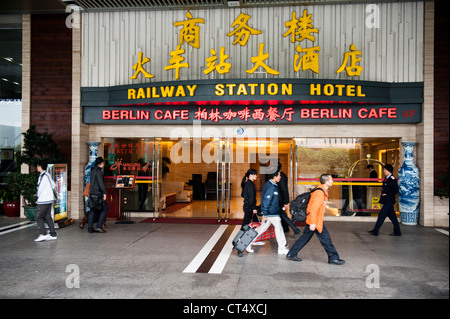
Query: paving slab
[{"x": 146, "y": 261}]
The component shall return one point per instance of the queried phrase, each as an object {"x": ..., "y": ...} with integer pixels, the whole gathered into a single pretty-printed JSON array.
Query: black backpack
[{"x": 299, "y": 205}]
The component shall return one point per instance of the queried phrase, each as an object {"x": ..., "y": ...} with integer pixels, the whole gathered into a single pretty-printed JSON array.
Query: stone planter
[
  {"x": 29, "y": 212},
  {"x": 11, "y": 209}
]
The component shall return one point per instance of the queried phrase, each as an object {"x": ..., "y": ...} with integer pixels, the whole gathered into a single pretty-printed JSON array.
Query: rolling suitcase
[
  {"x": 268, "y": 234},
  {"x": 243, "y": 238}
]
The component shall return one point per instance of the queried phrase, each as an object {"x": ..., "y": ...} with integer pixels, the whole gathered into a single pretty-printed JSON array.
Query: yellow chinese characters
[
  {"x": 309, "y": 61},
  {"x": 138, "y": 67},
  {"x": 242, "y": 31},
  {"x": 175, "y": 61},
  {"x": 300, "y": 29},
  {"x": 259, "y": 62},
  {"x": 353, "y": 69},
  {"x": 190, "y": 31},
  {"x": 222, "y": 67}
]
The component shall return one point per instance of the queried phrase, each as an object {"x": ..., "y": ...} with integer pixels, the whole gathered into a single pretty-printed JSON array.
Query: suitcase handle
[{"x": 257, "y": 216}]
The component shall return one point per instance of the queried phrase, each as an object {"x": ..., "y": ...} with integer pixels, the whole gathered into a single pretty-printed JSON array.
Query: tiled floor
[
  {"x": 146, "y": 261},
  {"x": 208, "y": 209}
]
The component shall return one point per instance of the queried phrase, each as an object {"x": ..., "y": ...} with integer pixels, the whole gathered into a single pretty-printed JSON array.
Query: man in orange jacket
[{"x": 314, "y": 220}]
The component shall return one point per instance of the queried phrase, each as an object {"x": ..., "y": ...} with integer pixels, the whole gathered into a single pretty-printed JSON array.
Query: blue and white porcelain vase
[
  {"x": 409, "y": 187},
  {"x": 93, "y": 153}
]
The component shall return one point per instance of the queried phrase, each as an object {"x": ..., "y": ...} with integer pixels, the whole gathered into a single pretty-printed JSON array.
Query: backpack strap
[
  {"x": 55, "y": 194},
  {"x": 317, "y": 189}
]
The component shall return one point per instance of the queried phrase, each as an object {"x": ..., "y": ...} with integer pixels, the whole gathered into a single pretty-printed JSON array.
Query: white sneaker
[
  {"x": 249, "y": 249},
  {"x": 41, "y": 237},
  {"x": 283, "y": 251},
  {"x": 259, "y": 243},
  {"x": 50, "y": 237}
]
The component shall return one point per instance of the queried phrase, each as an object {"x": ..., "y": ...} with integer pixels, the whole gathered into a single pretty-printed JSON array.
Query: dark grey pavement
[{"x": 142, "y": 260}]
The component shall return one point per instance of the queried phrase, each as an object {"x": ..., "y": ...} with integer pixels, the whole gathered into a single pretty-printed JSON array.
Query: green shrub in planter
[
  {"x": 29, "y": 188},
  {"x": 11, "y": 193}
]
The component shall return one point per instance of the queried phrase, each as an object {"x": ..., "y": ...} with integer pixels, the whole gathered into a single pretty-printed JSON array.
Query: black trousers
[
  {"x": 387, "y": 211},
  {"x": 324, "y": 238},
  {"x": 248, "y": 215},
  {"x": 286, "y": 222},
  {"x": 142, "y": 196},
  {"x": 44, "y": 214},
  {"x": 101, "y": 217}
]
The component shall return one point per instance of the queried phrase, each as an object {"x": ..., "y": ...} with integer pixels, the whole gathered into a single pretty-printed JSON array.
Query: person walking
[
  {"x": 314, "y": 220},
  {"x": 387, "y": 198},
  {"x": 270, "y": 208},
  {"x": 97, "y": 191},
  {"x": 286, "y": 222},
  {"x": 45, "y": 198},
  {"x": 249, "y": 194}
]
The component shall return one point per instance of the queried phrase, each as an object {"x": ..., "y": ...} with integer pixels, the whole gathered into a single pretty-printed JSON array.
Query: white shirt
[{"x": 45, "y": 189}]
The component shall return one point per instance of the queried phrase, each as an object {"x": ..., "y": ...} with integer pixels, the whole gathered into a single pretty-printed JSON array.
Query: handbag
[
  {"x": 96, "y": 202},
  {"x": 87, "y": 189}
]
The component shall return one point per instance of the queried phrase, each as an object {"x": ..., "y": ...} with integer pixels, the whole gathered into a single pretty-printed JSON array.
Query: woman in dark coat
[{"x": 249, "y": 195}]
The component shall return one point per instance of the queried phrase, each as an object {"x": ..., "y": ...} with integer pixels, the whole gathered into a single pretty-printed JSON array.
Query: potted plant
[
  {"x": 28, "y": 192},
  {"x": 11, "y": 196},
  {"x": 37, "y": 147}
]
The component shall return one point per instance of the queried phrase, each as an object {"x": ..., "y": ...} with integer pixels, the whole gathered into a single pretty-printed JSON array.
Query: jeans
[
  {"x": 43, "y": 213},
  {"x": 387, "y": 211},
  {"x": 276, "y": 222},
  {"x": 101, "y": 217},
  {"x": 324, "y": 238}
]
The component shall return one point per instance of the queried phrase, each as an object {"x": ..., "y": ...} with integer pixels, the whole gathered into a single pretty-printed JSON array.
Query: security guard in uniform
[{"x": 388, "y": 192}]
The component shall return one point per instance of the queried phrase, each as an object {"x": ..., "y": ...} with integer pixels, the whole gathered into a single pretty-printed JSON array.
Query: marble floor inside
[{"x": 208, "y": 209}]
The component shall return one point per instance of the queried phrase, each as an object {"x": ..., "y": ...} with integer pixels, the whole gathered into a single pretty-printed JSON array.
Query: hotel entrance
[
  {"x": 190, "y": 177},
  {"x": 199, "y": 178}
]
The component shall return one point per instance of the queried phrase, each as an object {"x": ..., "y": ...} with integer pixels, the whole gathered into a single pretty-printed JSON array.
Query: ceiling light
[{"x": 13, "y": 82}]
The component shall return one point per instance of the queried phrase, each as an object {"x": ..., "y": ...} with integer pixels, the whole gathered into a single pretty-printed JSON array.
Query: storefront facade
[{"x": 334, "y": 75}]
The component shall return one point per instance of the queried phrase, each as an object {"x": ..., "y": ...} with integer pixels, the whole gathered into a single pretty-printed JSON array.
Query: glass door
[
  {"x": 223, "y": 183},
  {"x": 140, "y": 157},
  {"x": 157, "y": 198},
  {"x": 292, "y": 183}
]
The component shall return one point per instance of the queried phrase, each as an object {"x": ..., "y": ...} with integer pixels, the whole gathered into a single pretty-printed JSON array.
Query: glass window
[
  {"x": 10, "y": 91},
  {"x": 357, "y": 185},
  {"x": 138, "y": 157}
]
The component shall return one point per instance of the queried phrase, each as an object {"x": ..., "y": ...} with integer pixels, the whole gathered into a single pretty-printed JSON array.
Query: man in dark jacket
[
  {"x": 387, "y": 198},
  {"x": 97, "y": 191},
  {"x": 284, "y": 202},
  {"x": 270, "y": 208}
]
